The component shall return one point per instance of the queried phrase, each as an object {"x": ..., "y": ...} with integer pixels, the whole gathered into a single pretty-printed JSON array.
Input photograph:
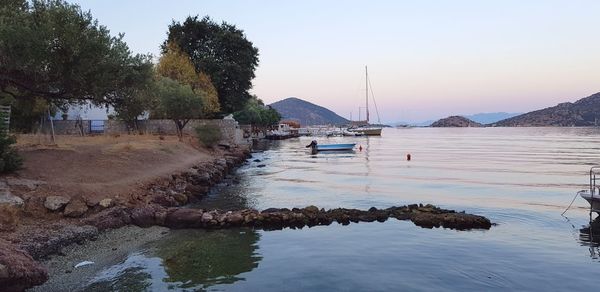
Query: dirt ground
[
  {"x": 103, "y": 166},
  {"x": 92, "y": 168}
]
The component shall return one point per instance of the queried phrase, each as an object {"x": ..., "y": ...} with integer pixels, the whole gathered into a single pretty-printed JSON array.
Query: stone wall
[{"x": 230, "y": 130}]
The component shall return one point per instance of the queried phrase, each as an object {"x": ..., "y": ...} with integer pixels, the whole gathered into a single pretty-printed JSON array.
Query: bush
[
  {"x": 208, "y": 135},
  {"x": 10, "y": 160}
]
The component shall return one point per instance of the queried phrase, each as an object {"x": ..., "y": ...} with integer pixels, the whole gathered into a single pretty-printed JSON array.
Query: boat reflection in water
[
  {"x": 185, "y": 259},
  {"x": 590, "y": 236}
]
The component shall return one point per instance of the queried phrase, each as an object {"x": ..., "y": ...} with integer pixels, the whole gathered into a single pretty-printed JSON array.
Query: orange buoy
[{"x": 408, "y": 157}]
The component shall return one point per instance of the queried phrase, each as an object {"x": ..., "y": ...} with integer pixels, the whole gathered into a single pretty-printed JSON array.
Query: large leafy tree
[
  {"x": 176, "y": 65},
  {"x": 255, "y": 113},
  {"x": 177, "y": 102},
  {"x": 53, "y": 50},
  {"x": 221, "y": 51}
]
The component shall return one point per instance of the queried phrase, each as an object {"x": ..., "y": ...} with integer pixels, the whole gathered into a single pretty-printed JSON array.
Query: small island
[{"x": 455, "y": 122}]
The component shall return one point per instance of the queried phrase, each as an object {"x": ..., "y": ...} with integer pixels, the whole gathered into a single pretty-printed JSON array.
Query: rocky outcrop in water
[
  {"x": 455, "y": 122},
  {"x": 427, "y": 216}
]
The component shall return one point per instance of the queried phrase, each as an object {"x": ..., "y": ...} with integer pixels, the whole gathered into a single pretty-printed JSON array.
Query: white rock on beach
[
  {"x": 54, "y": 203},
  {"x": 6, "y": 197},
  {"x": 105, "y": 203}
]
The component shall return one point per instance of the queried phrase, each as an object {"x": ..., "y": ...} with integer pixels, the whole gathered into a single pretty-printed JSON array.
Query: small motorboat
[{"x": 330, "y": 147}]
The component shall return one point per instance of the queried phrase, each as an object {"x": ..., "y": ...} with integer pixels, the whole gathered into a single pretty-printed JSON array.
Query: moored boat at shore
[
  {"x": 366, "y": 130},
  {"x": 593, "y": 194},
  {"x": 315, "y": 147}
]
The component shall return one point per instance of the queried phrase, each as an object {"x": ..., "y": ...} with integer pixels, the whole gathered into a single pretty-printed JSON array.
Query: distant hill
[
  {"x": 307, "y": 113},
  {"x": 456, "y": 121},
  {"x": 414, "y": 124},
  {"x": 482, "y": 118},
  {"x": 488, "y": 118},
  {"x": 584, "y": 112}
]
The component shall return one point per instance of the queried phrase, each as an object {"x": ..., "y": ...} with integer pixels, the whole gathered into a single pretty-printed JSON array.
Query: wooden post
[{"x": 51, "y": 127}]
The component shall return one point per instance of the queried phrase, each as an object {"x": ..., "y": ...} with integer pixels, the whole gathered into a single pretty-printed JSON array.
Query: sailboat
[{"x": 363, "y": 127}]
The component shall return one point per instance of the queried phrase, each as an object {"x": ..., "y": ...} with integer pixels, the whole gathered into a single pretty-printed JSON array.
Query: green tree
[
  {"x": 255, "y": 113},
  {"x": 52, "y": 50},
  {"x": 176, "y": 65},
  {"x": 177, "y": 102},
  {"x": 134, "y": 104},
  {"x": 223, "y": 52}
]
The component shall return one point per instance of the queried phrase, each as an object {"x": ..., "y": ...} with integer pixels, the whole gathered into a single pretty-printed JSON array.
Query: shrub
[
  {"x": 208, "y": 135},
  {"x": 10, "y": 160}
]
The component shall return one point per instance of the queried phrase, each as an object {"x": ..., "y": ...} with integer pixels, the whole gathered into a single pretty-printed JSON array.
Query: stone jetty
[{"x": 427, "y": 216}]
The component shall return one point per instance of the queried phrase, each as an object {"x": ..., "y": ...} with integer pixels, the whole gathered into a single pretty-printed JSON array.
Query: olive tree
[
  {"x": 177, "y": 102},
  {"x": 53, "y": 50}
]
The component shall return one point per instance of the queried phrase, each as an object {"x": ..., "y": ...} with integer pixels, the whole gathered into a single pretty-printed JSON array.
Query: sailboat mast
[{"x": 367, "y": 92}]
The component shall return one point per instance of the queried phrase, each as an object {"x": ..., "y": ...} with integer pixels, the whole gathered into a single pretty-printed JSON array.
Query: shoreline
[
  {"x": 162, "y": 207},
  {"x": 37, "y": 237},
  {"x": 111, "y": 247}
]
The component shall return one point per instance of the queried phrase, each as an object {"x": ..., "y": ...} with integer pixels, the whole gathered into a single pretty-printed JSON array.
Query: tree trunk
[
  {"x": 180, "y": 125},
  {"x": 179, "y": 129}
]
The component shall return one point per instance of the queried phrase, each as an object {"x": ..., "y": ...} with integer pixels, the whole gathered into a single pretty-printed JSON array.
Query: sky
[{"x": 426, "y": 59}]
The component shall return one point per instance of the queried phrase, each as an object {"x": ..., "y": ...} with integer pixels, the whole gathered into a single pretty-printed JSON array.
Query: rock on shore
[{"x": 18, "y": 270}]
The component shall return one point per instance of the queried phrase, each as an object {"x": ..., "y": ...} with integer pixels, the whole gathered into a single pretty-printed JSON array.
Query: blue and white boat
[{"x": 330, "y": 147}]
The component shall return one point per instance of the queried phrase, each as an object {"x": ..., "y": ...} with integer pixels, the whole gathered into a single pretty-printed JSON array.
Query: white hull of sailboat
[{"x": 367, "y": 131}]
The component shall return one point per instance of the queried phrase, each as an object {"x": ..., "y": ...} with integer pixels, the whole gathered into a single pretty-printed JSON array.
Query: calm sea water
[{"x": 520, "y": 178}]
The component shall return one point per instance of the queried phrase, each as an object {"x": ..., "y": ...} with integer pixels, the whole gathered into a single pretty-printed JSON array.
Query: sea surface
[{"x": 520, "y": 178}]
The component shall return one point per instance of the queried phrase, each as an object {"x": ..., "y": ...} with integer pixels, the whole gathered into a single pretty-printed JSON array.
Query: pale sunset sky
[{"x": 427, "y": 59}]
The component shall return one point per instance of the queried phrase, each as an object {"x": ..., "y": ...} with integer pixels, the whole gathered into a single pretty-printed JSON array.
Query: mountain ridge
[
  {"x": 307, "y": 113},
  {"x": 583, "y": 112}
]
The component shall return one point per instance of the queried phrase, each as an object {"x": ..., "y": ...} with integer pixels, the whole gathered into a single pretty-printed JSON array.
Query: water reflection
[
  {"x": 207, "y": 258},
  {"x": 186, "y": 259},
  {"x": 590, "y": 236}
]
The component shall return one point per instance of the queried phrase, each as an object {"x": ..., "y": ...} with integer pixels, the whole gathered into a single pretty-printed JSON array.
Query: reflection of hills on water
[{"x": 205, "y": 258}]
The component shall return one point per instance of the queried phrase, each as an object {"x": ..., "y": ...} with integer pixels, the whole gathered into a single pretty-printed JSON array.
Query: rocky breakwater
[{"x": 427, "y": 216}]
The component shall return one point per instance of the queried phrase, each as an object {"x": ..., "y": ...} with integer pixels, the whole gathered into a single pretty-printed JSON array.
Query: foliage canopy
[
  {"x": 52, "y": 50},
  {"x": 222, "y": 52},
  {"x": 176, "y": 65},
  {"x": 256, "y": 113},
  {"x": 177, "y": 102}
]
